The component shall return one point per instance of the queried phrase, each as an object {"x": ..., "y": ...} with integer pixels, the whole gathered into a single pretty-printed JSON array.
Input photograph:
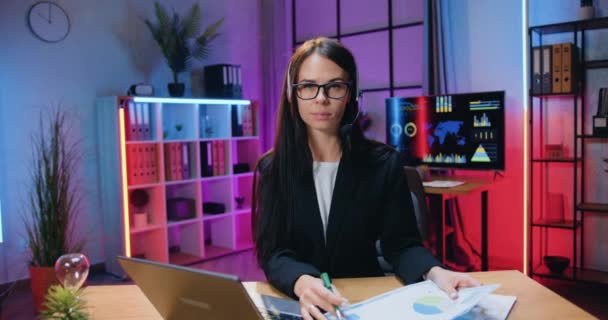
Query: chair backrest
[{"x": 414, "y": 182}]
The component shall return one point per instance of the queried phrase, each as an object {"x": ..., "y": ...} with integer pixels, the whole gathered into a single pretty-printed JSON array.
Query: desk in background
[
  {"x": 533, "y": 300},
  {"x": 437, "y": 204}
]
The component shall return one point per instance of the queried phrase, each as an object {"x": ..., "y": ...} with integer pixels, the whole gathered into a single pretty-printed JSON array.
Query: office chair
[{"x": 413, "y": 177}]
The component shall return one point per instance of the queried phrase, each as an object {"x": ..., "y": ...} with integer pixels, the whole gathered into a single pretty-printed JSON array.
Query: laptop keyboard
[{"x": 268, "y": 315}]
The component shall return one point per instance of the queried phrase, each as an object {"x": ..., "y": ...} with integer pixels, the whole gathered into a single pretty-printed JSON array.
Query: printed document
[{"x": 424, "y": 300}]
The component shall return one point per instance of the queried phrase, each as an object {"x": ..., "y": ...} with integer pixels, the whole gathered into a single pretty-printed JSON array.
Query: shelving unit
[
  {"x": 194, "y": 158},
  {"x": 543, "y": 168}
]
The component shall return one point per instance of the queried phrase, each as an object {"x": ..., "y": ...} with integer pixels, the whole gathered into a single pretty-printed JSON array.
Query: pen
[{"x": 327, "y": 284}]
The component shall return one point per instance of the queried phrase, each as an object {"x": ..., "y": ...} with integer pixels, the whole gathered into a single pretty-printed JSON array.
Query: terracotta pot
[{"x": 41, "y": 278}]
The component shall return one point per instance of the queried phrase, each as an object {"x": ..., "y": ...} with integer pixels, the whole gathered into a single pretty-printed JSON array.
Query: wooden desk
[
  {"x": 533, "y": 300},
  {"x": 438, "y": 204}
]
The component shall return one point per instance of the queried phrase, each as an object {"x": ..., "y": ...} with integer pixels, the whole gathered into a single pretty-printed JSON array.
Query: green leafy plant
[
  {"x": 179, "y": 38},
  {"x": 53, "y": 195},
  {"x": 586, "y": 3},
  {"x": 64, "y": 304}
]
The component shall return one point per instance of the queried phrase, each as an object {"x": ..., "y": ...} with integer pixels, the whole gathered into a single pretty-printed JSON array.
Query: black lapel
[
  {"x": 341, "y": 202},
  {"x": 310, "y": 208}
]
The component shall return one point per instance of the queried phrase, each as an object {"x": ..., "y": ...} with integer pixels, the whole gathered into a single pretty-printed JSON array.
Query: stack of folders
[
  {"x": 177, "y": 161},
  {"x": 600, "y": 120},
  {"x": 142, "y": 163},
  {"x": 223, "y": 81},
  {"x": 213, "y": 158},
  {"x": 242, "y": 120},
  {"x": 138, "y": 121},
  {"x": 554, "y": 69}
]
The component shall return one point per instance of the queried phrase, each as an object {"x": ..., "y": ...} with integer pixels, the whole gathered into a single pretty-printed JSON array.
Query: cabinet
[
  {"x": 176, "y": 177},
  {"x": 563, "y": 154}
]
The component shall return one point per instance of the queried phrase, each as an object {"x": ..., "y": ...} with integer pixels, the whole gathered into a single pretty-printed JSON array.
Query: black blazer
[{"x": 370, "y": 201}]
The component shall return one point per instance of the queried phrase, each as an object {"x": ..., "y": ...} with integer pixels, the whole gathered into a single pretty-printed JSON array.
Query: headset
[{"x": 346, "y": 128}]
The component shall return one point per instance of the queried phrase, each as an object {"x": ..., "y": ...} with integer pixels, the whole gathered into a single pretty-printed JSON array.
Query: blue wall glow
[{"x": 1, "y": 236}]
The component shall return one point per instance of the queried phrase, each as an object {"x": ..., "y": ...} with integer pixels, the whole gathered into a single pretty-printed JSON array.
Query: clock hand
[{"x": 43, "y": 17}]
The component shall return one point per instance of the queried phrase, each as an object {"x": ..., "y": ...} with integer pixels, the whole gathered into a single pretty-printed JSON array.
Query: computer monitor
[{"x": 459, "y": 131}]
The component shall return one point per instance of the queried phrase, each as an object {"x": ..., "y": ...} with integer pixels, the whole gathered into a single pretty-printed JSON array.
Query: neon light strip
[
  {"x": 123, "y": 173},
  {"x": 1, "y": 235},
  {"x": 484, "y": 102},
  {"x": 190, "y": 101},
  {"x": 524, "y": 43},
  {"x": 484, "y": 108}
]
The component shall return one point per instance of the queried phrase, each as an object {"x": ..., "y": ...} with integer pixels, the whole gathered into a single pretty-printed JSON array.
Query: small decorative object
[
  {"x": 141, "y": 89},
  {"x": 586, "y": 10},
  {"x": 207, "y": 129},
  {"x": 72, "y": 270},
  {"x": 139, "y": 198},
  {"x": 53, "y": 201},
  {"x": 213, "y": 207},
  {"x": 64, "y": 303},
  {"x": 178, "y": 129},
  {"x": 239, "y": 202},
  {"x": 554, "y": 151},
  {"x": 180, "y": 41},
  {"x": 557, "y": 264}
]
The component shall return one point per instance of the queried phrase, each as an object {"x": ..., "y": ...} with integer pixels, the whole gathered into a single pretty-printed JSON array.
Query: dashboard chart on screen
[{"x": 461, "y": 131}]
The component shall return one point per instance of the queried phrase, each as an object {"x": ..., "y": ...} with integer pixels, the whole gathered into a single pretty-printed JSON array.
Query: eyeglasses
[{"x": 332, "y": 90}]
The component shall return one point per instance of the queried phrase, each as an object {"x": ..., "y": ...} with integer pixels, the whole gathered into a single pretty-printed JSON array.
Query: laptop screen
[{"x": 185, "y": 293}]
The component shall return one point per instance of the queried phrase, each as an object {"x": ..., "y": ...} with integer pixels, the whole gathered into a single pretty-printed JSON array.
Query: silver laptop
[{"x": 186, "y": 293}]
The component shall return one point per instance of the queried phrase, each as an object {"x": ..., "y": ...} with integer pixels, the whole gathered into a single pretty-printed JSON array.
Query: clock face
[{"x": 48, "y": 21}]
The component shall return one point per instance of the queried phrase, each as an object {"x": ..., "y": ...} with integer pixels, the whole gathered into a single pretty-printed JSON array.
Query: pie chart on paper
[{"x": 430, "y": 305}]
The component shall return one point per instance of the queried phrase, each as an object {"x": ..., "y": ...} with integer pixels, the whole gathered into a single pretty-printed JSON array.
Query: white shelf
[
  {"x": 245, "y": 138},
  {"x": 216, "y": 178},
  {"x": 184, "y": 181},
  {"x": 171, "y": 224},
  {"x": 128, "y": 142},
  {"x": 200, "y": 121},
  {"x": 147, "y": 228},
  {"x": 243, "y": 175},
  {"x": 242, "y": 211},
  {"x": 144, "y": 186}
]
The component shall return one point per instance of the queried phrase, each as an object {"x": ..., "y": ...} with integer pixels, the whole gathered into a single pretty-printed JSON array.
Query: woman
[{"x": 326, "y": 194}]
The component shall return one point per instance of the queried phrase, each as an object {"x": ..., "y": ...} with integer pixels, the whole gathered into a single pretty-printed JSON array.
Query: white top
[{"x": 325, "y": 178}]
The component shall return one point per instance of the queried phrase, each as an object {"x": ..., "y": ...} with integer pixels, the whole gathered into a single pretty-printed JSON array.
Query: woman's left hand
[{"x": 450, "y": 281}]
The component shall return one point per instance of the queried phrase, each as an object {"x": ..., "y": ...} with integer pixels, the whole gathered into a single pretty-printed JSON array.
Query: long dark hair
[{"x": 290, "y": 158}]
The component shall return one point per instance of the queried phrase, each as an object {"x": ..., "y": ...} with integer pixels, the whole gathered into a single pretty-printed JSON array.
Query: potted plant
[
  {"x": 180, "y": 41},
  {"x": 64, "y": 303},
  {"x": 53, "y": 202},
  {"x": 139, "y": 198}
]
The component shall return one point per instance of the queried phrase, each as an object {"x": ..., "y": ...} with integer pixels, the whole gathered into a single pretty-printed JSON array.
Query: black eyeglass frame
[{"x": 294, "y": 86}]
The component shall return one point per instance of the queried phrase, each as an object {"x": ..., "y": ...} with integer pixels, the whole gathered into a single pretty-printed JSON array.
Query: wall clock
[{"x": 48, "y": 21}]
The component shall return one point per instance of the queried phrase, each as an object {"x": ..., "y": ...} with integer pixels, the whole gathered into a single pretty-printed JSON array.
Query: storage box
[
  {"x": 600, "y": 126},
  {"x": 181, "y": 209}
]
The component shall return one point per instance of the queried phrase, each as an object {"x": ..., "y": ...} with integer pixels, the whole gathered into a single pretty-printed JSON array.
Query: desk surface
[
  {"x": 470, "y": 185},
  {"x": 533, "y": 300}
]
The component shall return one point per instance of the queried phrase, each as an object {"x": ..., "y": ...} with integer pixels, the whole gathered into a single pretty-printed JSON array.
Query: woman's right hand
[{"x": 313, "y": 295}]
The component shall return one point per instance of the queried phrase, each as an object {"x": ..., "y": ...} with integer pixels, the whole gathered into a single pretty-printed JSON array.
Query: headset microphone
[{"x": 347, "y": 128}]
